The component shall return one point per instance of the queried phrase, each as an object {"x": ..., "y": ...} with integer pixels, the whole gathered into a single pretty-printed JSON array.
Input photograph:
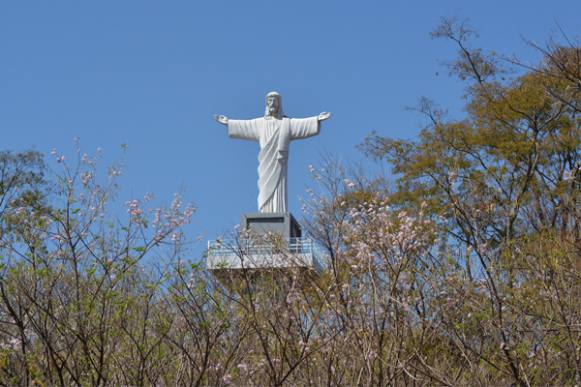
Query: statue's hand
[
  {"x": 221, "y": 119},
  {"x": 323, "y": 116}
]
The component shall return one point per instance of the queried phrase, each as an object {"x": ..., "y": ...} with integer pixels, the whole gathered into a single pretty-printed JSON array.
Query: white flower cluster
[{"x": 375, "y": 230}]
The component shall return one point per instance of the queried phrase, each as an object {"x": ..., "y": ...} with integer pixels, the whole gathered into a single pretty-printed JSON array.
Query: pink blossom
[
  {"x": 133, "y": 208},
  {"x": 86, "y": 178},
  {"x": 157, "y": 217}
]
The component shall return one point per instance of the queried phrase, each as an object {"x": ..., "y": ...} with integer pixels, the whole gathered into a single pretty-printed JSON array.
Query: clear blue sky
[{"x": 152, "y": 74}]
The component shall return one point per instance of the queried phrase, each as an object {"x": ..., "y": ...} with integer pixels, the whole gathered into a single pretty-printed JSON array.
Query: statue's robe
[{"x": 273, "y": 135}]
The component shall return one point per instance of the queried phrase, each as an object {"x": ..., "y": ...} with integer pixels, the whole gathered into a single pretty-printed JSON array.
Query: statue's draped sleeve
[
  {"x": 243, "y": 129},
  {"x": 303, "y": 127}
]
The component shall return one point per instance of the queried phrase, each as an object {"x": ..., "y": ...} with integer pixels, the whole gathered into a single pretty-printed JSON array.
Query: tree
[{"x": 504, "y": 179}]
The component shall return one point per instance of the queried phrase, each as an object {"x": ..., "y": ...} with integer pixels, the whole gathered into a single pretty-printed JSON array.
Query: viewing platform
[{"x": 262, "y": 253}]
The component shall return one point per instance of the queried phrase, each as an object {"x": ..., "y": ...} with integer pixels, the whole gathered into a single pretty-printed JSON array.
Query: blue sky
[{"x": 152, "y": 74}]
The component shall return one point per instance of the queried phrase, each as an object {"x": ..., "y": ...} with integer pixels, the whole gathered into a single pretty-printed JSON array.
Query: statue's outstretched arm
[
  {"x": 221, "y": 119},
  {"x": 324, "y": 116}
]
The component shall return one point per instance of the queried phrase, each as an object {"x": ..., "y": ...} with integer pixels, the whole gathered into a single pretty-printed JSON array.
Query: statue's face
[{"x": 272, "y": 104}]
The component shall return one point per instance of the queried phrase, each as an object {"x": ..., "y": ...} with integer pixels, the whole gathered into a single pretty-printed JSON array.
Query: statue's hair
[{"x": 280, "y": 113}]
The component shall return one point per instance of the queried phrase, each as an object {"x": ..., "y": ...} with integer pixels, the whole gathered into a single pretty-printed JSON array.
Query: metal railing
[
  {"x": 261, "y": 246},
  {"x": 263, "y": 252}
]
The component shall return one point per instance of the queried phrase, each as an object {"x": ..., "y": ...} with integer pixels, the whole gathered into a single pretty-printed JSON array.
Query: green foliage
[{"x": 504, "y": 185}]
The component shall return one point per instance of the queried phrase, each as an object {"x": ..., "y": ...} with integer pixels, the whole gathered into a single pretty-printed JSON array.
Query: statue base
[
  {"x": 266, "y": 241},
  {"x": 282, "y": 223}
]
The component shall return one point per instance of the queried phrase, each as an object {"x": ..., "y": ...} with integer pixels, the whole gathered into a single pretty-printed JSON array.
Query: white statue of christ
[{"x": 273, "y": 132}]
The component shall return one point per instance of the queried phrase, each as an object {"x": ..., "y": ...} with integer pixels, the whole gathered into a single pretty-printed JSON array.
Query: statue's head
[{"x": 273, "y": 105}]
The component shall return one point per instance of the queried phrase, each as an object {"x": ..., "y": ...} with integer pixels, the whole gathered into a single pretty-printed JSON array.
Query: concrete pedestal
[
  {"x": 282, "y": 223},
  {"x": 268, "y": 240}
]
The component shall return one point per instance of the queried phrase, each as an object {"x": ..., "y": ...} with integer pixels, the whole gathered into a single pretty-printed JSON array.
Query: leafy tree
[{"x": 505, "y": 176}]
